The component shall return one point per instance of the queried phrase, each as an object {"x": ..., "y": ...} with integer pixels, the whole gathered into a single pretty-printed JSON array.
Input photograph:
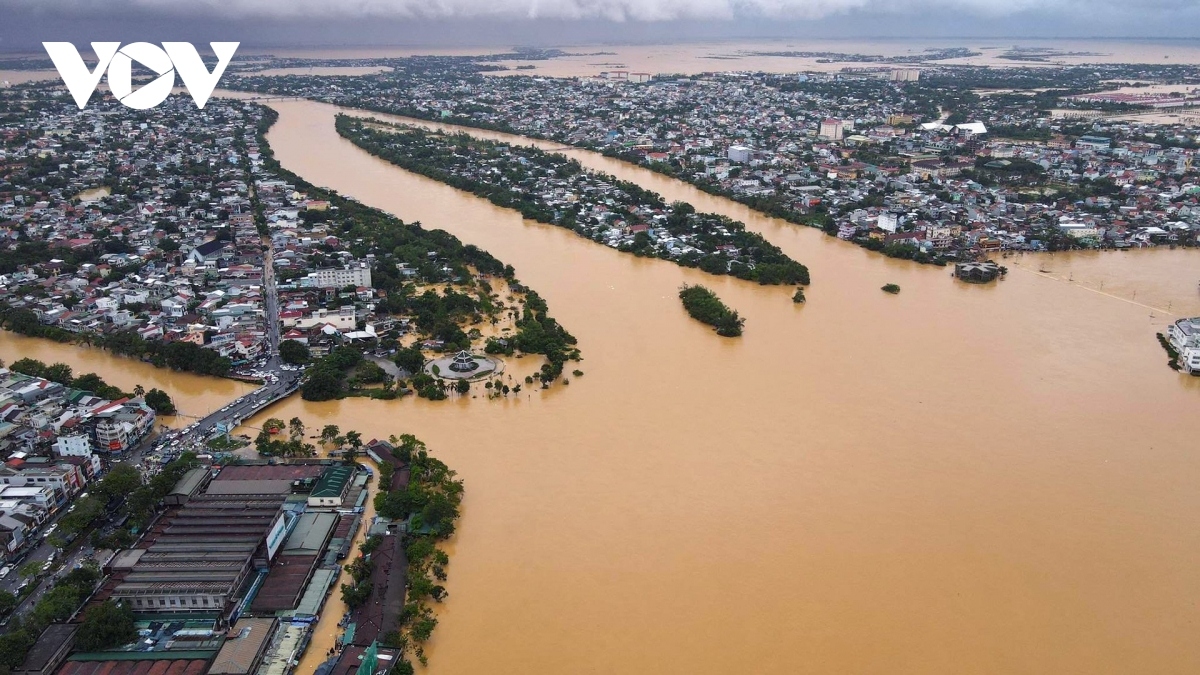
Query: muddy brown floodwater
[{"x": 955, "y": 479}]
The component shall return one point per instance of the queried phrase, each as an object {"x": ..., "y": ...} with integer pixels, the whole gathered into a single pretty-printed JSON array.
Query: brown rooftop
[{"x": 270, "y": 472}]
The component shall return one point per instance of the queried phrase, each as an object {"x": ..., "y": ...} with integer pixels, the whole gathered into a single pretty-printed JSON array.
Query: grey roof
[
  {"x": 314, "y": 595},
  {"x": 191, "y": 481},
  {"x": 311, "y": 533},
  {"x": 204, "y": 548}
]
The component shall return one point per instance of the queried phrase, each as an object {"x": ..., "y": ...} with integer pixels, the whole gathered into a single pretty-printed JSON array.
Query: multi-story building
[
  {"x": 739, "y": 154},
  {"x": 831, "y": 129},
  {"x": 1184, "y": 336},
  {"x": 42, "y": 497},
  {"x": 121, "y": 424},
  {"x": 63, "y": 481},
  {"x": 73, "y": 446},
  {"x": 339, "y": 277}
]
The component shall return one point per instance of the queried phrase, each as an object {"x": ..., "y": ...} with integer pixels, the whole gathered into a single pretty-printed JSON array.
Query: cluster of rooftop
[
  {"x": 53, "y": 437},
  {"x": 231, "y": 578},
  {"x": 150, "y": 234}
]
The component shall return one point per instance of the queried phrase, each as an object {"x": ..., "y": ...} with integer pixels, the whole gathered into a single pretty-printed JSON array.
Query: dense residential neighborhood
[{"x": 936, "y": 165}]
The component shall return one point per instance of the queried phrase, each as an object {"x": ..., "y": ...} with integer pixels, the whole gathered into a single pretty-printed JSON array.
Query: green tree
[
  {"x": 293, "y": 352},
  {"x": 410, "y": 359},
  {"x": 322, "y": 383},
  {"x": 59, "y": 372},
  {"x": 354, "y": 595},
  {"x": 160, "y": 401},
  {"x": 28, "y": 366},
  {"x": 15, "y": 644},
  {"x": 359, "y": 569},
  {"x": 59, "y": 604},
  {"x": 121, "y": 481},
  {"x": 329, "y": 432},
  {"x": 105, "y": 626},
  {"x": 8, "y": 602},
  {"x": 296, "y": 428}
]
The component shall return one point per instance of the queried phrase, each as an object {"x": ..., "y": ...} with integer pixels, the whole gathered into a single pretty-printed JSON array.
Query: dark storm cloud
[
  {"x": 609, "y": 10},
  {"x": 24, "y": 23}
]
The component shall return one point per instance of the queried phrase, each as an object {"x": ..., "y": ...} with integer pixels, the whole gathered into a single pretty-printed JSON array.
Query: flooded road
[{"x": 955, "y": 479}]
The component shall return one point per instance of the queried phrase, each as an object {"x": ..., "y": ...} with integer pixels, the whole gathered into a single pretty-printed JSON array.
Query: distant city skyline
[{"x": 456, "y": 23}]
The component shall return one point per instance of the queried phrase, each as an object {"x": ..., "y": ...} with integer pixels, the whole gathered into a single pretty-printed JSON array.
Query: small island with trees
[{"x": 703, "y": 305}]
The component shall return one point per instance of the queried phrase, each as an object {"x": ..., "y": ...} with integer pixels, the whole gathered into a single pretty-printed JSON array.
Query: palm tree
[{"x": 139, "y": 391}]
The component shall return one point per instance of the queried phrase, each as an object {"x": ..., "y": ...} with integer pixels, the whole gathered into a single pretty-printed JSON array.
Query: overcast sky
[{"x": 268, "y": 23}]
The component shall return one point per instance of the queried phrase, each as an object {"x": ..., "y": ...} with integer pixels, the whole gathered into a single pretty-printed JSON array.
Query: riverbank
[{"x": 194, "y": 395}]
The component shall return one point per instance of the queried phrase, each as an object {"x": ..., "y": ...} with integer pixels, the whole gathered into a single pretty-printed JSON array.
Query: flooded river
[{"x": 956, "y": 479}]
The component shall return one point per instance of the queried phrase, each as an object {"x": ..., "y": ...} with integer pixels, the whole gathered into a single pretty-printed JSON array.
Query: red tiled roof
[{"x": 147, "y": 667}]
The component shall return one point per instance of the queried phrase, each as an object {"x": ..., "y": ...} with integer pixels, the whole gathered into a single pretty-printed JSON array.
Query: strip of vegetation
[
  {"x": 429, "y": 505},
  {"x": 182, "y": 356},
  {"x": 123, "y": 492},
  {"x": 704, "y": 305},
  {"x": 63, "y": 374},
  {"x": 555, "y": 189},
  {"x": 57, "y": 606}
]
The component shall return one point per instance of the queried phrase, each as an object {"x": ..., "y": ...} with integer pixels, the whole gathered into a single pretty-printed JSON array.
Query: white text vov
[{"x": 118, "y": 62}]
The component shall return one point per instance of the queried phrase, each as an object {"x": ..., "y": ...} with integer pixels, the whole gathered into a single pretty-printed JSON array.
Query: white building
[
  {"x": 1184, "y": 336},
  {"x": 739, "y": 154},
  {"x": 905, "y": 75},
  {"x": 889, "y": 222},
  {"x": 1078, "y": 230},
  {"x": 40, "y": 496},
  {"x": 831, "y": 129},
  {"x": 343, "y": 319},
  {"x": 73, "y": 446},
  {"x": 340, "y": 277}
]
